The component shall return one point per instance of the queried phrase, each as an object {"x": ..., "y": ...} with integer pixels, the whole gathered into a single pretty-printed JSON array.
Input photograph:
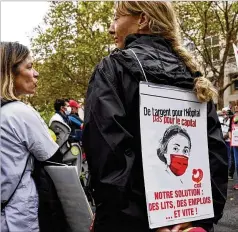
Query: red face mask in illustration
[{"x": 179, "y": 164}]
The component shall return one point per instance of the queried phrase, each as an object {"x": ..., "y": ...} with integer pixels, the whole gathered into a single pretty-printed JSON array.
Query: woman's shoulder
[
  {"x": 16, "y": 107},
  {"x": 18, "y": 110},
  {"x": 117, "y": 57},
  {"x": 118, "y": 63}
]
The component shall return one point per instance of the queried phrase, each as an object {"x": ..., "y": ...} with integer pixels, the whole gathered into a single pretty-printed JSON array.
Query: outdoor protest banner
[
  {"x": 175, "y": 155},
  {"x": 73, "y": 199},
  {"x": 234, "y": 138},
  {"x": 234, "y": 132}
]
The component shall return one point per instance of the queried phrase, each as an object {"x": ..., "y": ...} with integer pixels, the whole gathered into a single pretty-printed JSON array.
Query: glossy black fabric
[
  {"x": 111, "y": 136},
  {"x": 50, "y": 212}
]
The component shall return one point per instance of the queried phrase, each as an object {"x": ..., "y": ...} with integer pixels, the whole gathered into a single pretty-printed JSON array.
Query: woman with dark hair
[
  {"x": 175, "y": 150},
  {"x": 147, "y": 31}
]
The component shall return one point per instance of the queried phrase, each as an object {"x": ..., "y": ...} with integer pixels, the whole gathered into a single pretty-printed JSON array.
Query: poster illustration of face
[
  {"x": 175, "y": 155},
  {"x": 174, "y": 150}
]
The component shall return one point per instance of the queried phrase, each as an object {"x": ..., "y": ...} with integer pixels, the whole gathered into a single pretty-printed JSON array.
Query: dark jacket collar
[{"x": 155, "y": 41}]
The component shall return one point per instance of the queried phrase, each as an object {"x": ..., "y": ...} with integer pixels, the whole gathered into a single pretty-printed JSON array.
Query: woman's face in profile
[
  {"x": 25, "y": 81},
  {"x": 122, "y": 26}
]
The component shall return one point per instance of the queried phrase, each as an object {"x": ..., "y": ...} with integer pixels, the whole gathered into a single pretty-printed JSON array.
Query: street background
[{"x": 229, "y": 221}]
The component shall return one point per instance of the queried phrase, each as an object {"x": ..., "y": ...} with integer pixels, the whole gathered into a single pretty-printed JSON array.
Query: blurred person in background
[
  {"x": 225, "y": 121},
  {"x": 76, "y": 124},
  {"x": 75, "y": 106},
  {"x": 234, "y": 127},
  {"x": 62, "y": 111}
]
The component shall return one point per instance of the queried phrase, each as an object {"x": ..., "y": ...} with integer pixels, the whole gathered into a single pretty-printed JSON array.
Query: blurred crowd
[
  {"x": 67, "y": 112},
  {"x": 228, "y": 119}
]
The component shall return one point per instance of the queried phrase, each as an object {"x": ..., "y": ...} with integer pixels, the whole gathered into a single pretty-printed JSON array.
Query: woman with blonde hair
[
  {"x": 148, "y": 44},
  {"x": 24, "y": 138}
]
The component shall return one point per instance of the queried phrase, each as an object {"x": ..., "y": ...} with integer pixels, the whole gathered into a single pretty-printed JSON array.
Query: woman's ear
[{"x": 143, "y": 23}]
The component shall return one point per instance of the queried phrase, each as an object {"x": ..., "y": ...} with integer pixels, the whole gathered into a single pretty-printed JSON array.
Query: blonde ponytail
[
  {"x": 163, "y": 22},
  {"x": 204, "y": 89}
]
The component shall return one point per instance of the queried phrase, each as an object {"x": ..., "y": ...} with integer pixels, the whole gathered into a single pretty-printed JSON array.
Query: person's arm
[
  {"x": 218, "y": 167},
  {"x": 226, "y": 129},
  {"x": 33, "y": 132},
  {"x": 56, "y": 157},
  {"x": 75, "y": 121},
  {"x": 106, "y": 139}
]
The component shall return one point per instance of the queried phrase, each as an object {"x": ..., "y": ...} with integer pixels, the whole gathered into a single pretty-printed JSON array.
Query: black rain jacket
[{"x": 111, "y": 136}]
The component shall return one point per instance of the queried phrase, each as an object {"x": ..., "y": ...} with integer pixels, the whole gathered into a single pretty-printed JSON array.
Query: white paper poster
[
  {"x": 73, "y": 199},
  {"x": 234, "y": 133},
  {"x": 175, "y": 155}
]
